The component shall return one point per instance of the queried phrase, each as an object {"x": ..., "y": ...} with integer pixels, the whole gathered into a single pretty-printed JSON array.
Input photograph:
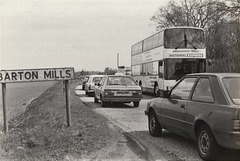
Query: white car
[
  {"x": 118, "y": 88},
  {"x": 90, "y": 84}
]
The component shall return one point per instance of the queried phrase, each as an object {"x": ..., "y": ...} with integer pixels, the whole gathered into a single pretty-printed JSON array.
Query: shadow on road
[
  {"x": 119, "y": 105},
  {"x": 173, "y": 147}
]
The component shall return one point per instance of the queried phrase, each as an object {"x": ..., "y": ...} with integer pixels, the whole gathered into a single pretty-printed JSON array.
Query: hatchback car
[
  {"x": 90, "y": 84},
  {"x": 204, "y": 107},
  {"x": 118, "y": 88}
]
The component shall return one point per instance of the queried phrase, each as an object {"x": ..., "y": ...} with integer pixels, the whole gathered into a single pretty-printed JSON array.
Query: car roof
[
  {"x": 118, "y": 75},
  {"x": 216, "y": 74},
  {"x": 96, "y": 75}
]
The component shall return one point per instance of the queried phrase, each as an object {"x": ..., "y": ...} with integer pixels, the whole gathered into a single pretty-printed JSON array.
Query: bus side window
[
  {"x": 143, "y": 69},
  {"x": 160, "y": 69}
]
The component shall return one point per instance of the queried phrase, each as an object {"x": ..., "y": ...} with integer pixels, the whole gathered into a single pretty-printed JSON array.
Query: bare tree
[
  {"x": 220, "y": 21},
  {"x": 197, "y": 13}
]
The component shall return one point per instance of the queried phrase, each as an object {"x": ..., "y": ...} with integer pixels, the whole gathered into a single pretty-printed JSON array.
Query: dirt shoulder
[{"x": 40, "y": 133}]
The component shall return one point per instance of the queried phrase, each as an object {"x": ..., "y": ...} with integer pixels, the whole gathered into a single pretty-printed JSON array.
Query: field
[{"x": 19, "y": 95}]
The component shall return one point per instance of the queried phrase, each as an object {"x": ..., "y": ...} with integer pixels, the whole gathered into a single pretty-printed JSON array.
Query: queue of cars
[
  {"x": 112, "y": 88},
  {"x": 204, "y": 107}
]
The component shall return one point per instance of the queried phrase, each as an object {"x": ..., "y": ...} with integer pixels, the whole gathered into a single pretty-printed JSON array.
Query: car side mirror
[{"x": 164, "y": 94}]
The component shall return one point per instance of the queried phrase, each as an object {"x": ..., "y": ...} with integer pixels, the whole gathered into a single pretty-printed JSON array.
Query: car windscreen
[
  {"x": 232, "y": 84},
  {"x": 121, "y": 80}
]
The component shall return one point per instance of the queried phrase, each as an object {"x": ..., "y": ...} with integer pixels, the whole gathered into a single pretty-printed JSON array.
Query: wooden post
[
  {"x": 68, "y": 112},
  {"x": 5, "y": 120}
]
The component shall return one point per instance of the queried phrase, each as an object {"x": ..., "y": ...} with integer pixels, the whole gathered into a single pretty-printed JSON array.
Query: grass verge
[{"x": 40, "y": 133}]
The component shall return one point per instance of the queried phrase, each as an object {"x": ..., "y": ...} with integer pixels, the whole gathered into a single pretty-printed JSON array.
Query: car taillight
[
  {"x": 236, "y": 124},
  {"x": 108, "y": 93},
  {"x": 137, "y": 92}
]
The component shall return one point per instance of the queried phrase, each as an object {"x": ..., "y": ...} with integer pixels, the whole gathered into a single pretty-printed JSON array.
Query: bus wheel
[
  {"x": 156, "y": 90},
  {"x": 135, "y": 104},
  {"x": 140, "y": 84}
]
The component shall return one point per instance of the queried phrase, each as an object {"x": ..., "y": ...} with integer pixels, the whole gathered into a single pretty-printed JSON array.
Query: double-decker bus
[{"x": 160, "y": 60}]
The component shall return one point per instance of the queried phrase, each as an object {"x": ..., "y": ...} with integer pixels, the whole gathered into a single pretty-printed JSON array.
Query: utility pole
[{"x": 117, "y": 59}]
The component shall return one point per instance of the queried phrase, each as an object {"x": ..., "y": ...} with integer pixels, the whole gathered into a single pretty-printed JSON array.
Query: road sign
[{"x": 35, "y": 75}]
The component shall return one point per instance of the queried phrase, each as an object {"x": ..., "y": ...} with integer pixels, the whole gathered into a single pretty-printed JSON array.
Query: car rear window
[
  {"x": 120, "y": 80},
  {"x": 232, "y": 84},
  {"x": 203, "y": 91},
  {"x": 97, "y": 79}
]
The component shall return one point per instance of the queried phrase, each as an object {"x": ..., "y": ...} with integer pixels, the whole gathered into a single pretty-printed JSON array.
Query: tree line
[{"x": 221, "y": 21}]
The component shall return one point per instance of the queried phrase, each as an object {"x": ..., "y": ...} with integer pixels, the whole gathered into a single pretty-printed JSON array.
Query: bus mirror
[
  {"x": 160, "y": 63},
  {"x": 160, "y": 75},
  {"x": 209, "y": 62}
]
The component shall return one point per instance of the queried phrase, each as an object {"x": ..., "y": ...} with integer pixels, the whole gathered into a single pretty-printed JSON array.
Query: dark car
[
  {"x": 204, "y": 107},
  {"x": 117, "y": 88},
  {"x": 85, "y": 79}
]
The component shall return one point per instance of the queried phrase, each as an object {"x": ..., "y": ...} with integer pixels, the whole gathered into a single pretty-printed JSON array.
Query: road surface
[{"x": 133, "y": 123}]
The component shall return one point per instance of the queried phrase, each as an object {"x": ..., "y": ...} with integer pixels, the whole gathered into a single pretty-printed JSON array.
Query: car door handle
[{"x": 182, "y": 106}]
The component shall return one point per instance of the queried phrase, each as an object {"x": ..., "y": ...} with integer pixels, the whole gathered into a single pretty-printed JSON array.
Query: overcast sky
[{"x": 83, "y": 34}]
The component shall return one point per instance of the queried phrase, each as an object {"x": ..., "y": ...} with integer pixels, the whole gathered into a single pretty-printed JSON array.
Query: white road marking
[
  {"x": 79, "y": 92},
  {"x": 87, "y": 99}
]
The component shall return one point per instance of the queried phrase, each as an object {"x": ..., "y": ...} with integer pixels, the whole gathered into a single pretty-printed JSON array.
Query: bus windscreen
[
  {"x": 182, "y": 38},
  {"x": 177, "y": 68}
]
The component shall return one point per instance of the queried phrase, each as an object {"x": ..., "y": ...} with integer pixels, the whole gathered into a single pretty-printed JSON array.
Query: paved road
[{"x": 134, "y": 124}]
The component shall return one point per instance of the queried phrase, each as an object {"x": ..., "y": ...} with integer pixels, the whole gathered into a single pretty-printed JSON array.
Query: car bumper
[
  {"x": 122, "y": 99},
  {"x": 229, "y": 140},
  {"x": 90, "y": 91}
]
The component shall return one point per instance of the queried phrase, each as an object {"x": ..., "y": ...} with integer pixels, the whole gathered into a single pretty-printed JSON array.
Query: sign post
[
  {"x": 36, "y": 75},
  {"x": 68, "y": 113},
  {"x": 5, "y": 121}
]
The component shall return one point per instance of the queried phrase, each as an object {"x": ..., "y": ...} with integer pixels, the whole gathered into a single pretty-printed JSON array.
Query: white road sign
[{"x": 34, "y": 75}]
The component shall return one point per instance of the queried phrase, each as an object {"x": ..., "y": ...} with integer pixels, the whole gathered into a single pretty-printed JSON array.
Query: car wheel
[
  {"x": 135, "y": 104},
  {"x": 103, "y": 103},
  {"x": 156, "y": 90},
  {"x": 88, "y": 94},
  {"x": 206, "y": 144},
  {"x": 155, "y": 128},
  {"x": 95, "y": 99}
]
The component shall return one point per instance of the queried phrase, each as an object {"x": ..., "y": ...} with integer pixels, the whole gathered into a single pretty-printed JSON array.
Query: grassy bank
[{"x": 40, "y": 133}]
